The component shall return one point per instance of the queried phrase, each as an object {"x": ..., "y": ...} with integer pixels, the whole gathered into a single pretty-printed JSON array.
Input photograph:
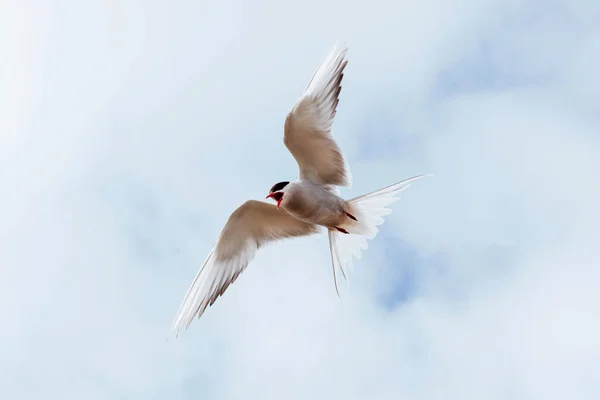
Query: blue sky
[{"x": 130, "y": 131}]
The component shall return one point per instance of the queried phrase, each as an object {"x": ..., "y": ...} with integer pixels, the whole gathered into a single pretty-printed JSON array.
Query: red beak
[{"x": 271, "y": 196}]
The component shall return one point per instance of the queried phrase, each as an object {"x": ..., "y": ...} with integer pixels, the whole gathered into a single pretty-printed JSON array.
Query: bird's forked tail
[{"x": 366, "y": 214}]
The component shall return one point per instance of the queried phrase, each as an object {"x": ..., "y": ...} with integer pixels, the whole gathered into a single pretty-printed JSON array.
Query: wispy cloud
[{"x": 130, "y": 131}]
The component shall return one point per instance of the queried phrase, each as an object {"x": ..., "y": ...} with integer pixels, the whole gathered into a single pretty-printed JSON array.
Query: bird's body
[
  {"x": 314, "y": 204},
  {"x": 305, "y": 207}
]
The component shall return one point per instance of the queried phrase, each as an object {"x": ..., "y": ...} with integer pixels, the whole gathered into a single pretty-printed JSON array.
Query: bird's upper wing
[
  {"x": 307, "y": 130},
  {"x": 249, "y": 227}
]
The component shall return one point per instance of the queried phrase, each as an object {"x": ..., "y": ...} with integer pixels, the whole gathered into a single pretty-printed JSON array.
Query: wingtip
[
  {"x": 419, "y": 176},
  {"x": 340, "y": 45},
  {"x": 174, "y": 333},
  {"x": 338, "y": 48}
]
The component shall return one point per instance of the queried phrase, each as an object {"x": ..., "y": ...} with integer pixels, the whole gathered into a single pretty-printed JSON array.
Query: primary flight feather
[{"x": 305, "y": 207}]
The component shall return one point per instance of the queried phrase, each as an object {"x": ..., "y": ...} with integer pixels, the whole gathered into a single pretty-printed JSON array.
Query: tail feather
[
  {"x": 335, "y": 260},
  {"x": 369, "y": 210}
]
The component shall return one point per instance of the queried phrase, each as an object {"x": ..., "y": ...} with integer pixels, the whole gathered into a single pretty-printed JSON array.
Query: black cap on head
[{"x": 278, "y": 186}]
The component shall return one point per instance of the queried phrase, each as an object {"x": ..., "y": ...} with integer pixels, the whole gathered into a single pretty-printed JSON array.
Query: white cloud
[{"x": 126, "y": 131}]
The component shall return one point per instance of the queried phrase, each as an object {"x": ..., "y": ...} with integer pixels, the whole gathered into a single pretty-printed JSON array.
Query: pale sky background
[{"x": 129, "y": 131}]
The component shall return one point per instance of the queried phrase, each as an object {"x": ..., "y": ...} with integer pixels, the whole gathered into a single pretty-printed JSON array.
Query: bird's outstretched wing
[
  {"x": 250, "y": 226},
  {"x": 307, "y": 130}
]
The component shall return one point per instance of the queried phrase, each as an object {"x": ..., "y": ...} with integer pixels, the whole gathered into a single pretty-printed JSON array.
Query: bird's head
[{"x": 277, "y": 191}]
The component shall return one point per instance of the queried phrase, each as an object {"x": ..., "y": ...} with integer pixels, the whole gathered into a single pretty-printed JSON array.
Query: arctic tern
[{"x": 305, "y": 207}]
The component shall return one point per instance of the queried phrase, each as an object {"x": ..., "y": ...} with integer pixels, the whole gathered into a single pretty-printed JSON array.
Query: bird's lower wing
[{"x": 249, "y": 227}]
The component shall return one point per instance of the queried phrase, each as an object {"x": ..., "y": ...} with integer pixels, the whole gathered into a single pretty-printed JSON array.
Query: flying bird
[{"x": 307, "y": 206}]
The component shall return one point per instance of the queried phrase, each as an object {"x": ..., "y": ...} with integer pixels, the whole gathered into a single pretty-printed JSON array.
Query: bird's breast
[{"x": 316, "y": 206}]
